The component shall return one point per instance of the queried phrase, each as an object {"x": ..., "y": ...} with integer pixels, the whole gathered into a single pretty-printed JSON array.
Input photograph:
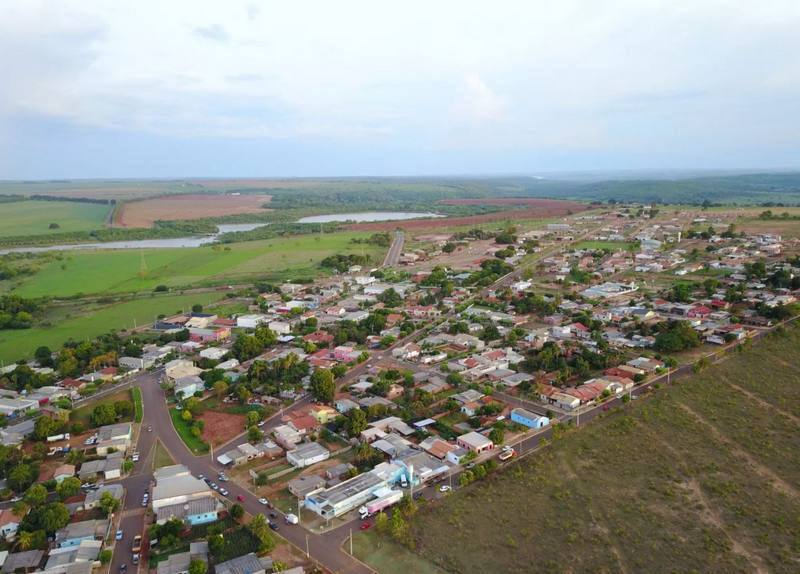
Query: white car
[
  {"x": 445, "y": 488},
  {"x": 135, "y": 457},
  {"x": 263, "y": 501},
  {"x": 223, "y": 492}
]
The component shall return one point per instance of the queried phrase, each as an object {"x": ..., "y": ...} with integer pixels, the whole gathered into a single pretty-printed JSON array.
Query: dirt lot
[
  {"x": 221, "y": 427},
  {"x": 544, "y": 208},
  {"x": 184, "y": 207}
]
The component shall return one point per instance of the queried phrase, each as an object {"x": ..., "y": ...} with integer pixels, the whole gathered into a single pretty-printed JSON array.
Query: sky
[{"x": 104, "y": 88}]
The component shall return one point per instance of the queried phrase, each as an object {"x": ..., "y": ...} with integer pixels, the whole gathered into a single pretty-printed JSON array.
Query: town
[{"x": 335, "y": 406}]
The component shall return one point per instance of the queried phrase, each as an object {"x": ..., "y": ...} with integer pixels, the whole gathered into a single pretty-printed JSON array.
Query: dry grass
[{"x": 185, "y": 207}]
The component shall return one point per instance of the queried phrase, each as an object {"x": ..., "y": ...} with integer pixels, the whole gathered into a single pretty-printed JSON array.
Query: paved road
[{"x": 395, "y": 250}]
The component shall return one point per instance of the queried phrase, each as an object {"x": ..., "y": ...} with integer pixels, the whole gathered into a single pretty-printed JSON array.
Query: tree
[
  {"x": 53, "y": 517},
  {"x": 215, "y": 544},
  {"x": 104, "y": 414},
  {"x": 197, "y": 566},
  {"x": 123, "y": 408},
  {"x": 322, "y": 385},
  {"x": 105, "y": 556},
  {"x": 36, "y": 495},
  {"x": 44, "y": 427},
  {"x": 390, "y": 298},
  {"x": 44, "y": 356},
  {"x": 243, "y": 393},
  {"x": 382, "y": 523},
  {"x": 237, "y": 511},
  {"x": 497, "y": 435},
  {"x": 253, "y": 417},
  {"x": 197, "y": 308},
  {"x": 254, "y": 434},
  {"x": 220, "y": 389},
  {"x": 108, "y": 503},
  {"x": 21, "y": 477},
  {"x": 356, "y": 422},
  {"x": 260, "y": 529},
  {"x": 25, "y": 540}
]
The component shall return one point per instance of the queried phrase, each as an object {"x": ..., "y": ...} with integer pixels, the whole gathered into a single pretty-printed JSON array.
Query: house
[
  {"x": 75, "y": 532},
  {"x": 92, "y": 499},
  {"x": 280, "y": 327},
  {"x": 345, "y": 354},
  {"x": 354, "y": 492},
  {"x": 247, "y": 564},
  {"x": 246, "y": 452},
  {"x": 307, "y": 454},
  {"x": 131, "y": 364},
  {"x": 529, "y": 419},
  {"x": 407, "y": 352},
  {"x": 23, "y": 561},
  {"x": 251, "y": 321},
  {"x": 178, "y": 368},
  {"x": 180, "y": 495},
  {"x": 304, "y": 485},
  {"x": 9, "y": 523},
  {"x": 15, "y": 407},
  {"x": 117, "y": 437},
  {"x": 286, "y": 436},
  {"x": 456, "y": 455},
  {"x": 77, "y": 559},
  {"x": 214, "y": 353},
  {"x": 475, "y": 442},
  {"x": 109, "y": 468},
  {"x": 179, "y": 563},
  {"x": 187, "y": 386},
  {"x": 64, "y": 471},
  {"x": 437, "y": 447},
  {"x": 345, "y": 405}
]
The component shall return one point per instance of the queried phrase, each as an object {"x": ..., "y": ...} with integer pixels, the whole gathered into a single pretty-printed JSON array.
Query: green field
[
  {"x": 89, "y": 322},
  {"x": 35, "y": 217},
  {"x": 703, "y": 476},
  {"x": 193, "y": 443},
  {"x": 118, "y": 271},
  {"x": 612, "y": 245}
]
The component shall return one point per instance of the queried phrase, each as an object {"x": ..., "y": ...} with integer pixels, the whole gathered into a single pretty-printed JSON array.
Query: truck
[
  {"x": 292, "y": 519},
  {"x": 506, "y": 453},
  {"x": 57, "y": 437},
  {"x": 384, "y": 500}
]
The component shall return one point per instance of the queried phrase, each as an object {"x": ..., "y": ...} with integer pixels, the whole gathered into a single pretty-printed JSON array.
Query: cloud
[
  {"x": 478, "y": 102},
  {"x": 215, "y": 33}
]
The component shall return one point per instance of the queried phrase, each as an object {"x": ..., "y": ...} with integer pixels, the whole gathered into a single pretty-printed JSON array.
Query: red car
[
  {"x": 240, "y": 498},
  {"x": 365, "y": 525}
]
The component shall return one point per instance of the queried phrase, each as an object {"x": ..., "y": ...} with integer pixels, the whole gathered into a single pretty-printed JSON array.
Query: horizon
[{"x": 526, "y": 88}]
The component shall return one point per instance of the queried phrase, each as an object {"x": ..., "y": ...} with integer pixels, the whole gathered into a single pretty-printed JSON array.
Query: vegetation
[
  {"x": 26, "y": 218},
  {"x": 716, "y": 490},
  {"x": 184, "y": 429}
]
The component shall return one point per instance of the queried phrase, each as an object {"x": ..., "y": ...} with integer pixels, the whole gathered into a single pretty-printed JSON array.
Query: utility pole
[
  {"x": 351, "y": 542},
  {"x": 308, "y": 554}
]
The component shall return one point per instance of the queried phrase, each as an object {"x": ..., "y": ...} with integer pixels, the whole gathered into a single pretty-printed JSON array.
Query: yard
[
  {"x": 83, "y": 414},
  {"x": 701, "y": 476}
]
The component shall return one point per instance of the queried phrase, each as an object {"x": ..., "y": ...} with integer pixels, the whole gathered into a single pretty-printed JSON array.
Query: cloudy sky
[{"x": 105, "y": 88}]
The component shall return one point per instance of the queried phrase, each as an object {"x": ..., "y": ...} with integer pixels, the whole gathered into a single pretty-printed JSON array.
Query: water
[
  {"x": 366, "y": 216},
  {"x": 175, "y": 242}
]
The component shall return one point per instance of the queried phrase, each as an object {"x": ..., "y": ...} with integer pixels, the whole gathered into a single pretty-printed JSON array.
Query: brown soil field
[
  {"x": 529, "y": 201},
  {"x": 185, "y": 207},
  {"x": 221, "y": 427},
  {"x": 546, "y": 208}
]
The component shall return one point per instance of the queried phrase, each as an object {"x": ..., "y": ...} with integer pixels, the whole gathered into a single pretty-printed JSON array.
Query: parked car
[
  {"x": 365, "y": 526},
  {"x": 123, "y": 568},
  {"x": 135, "y": 558},
  {"x": 273, "y": 525},
  {"x": 263, "y": 501},
  {"x": 118, "y": 536},
  {"x": 444, "y": 488},
  {"x": 223, "y": 492},
  {"x": 240, "y": 498}
]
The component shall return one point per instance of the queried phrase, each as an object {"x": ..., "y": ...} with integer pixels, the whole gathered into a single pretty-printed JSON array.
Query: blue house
[
  {"x": 75, "y": 532},
  {"x": 529, "y": 419}
]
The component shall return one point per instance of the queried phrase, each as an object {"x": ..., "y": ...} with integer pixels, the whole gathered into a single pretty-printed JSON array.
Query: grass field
[
  {"x": 136, "y": 393},
  {"x": 612, "y": 245},
  {"x": 703, "y": 476},
  {"x": 91, "y": 321},
  {"x": 194, "y": 444},
  {"x": 107, "y": 271},
  {"x": 34, "y": 217},
  {"x": 161, "y": 457}
]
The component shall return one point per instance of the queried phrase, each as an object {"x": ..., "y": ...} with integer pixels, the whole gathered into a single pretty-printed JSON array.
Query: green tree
[
  {"x": 220, "y": 389},
  {"x": 253, "y": 417},
  {"x": 21, "y": 477},
  {"x": 216, "y": 544},
  {"x": 260, "y": 529},
  {"x": 382, "y": 523},
  {"x": 108, "y": 503},
  {"x": 197, "y": 566},
  {"x": 35, "y": 496},
  {"x": 105, "y": 556},
  {"x": 25, "y": 540},
  {"x": 497, "y": 435},
  {"x": 237, "y": 511},
  {"x": 44, "y": 427},
  {"x": 356, "y": 422},
  {"x": 322, "y": 386},
  {"x": 54, "y": 516},
  {"x": 103, "y": 414},
  {"x": 254, "y": 434}
]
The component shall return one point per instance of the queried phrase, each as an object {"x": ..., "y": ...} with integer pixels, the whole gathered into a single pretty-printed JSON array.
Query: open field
[
  {"x": 221, "y": 427},
  {"x": 34, "y": 217},
  {"x": 703, "y": 476},
  {"x": 612, "y": 245},
  {"x": 83, "y": 414},
  {"x": 91, "y": 321},
  {"x": 549, "y": 208},
  {"x": 144, "y": 213},
  {"x": 119, "y": 271}
]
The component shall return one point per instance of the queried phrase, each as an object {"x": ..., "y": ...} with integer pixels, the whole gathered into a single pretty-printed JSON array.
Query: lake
[
  {"x": 366, "y": 216},
  {"x": 175, "y": 242}
]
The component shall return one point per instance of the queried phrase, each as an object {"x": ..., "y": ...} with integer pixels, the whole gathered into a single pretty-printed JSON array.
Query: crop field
[
  {"x": 145, "y": 212},
  {"x": 119, "y": 271},
  {"x": 88, "y": 321},
  {"x": 35, "y": 217},
  {"x": 703, "y": 476}
]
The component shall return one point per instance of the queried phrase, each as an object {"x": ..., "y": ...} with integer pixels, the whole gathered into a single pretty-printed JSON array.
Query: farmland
[
  {"x": 90, "y": 320},
  {"x": 701, "y": 477},
  {"x": 144, "y": 213},
  {"x": 35, "y": 217},
  {"x": 119, "y": 271}
]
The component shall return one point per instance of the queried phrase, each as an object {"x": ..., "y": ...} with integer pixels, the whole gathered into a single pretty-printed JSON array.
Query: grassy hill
[{"x": 703, "y": 476}]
